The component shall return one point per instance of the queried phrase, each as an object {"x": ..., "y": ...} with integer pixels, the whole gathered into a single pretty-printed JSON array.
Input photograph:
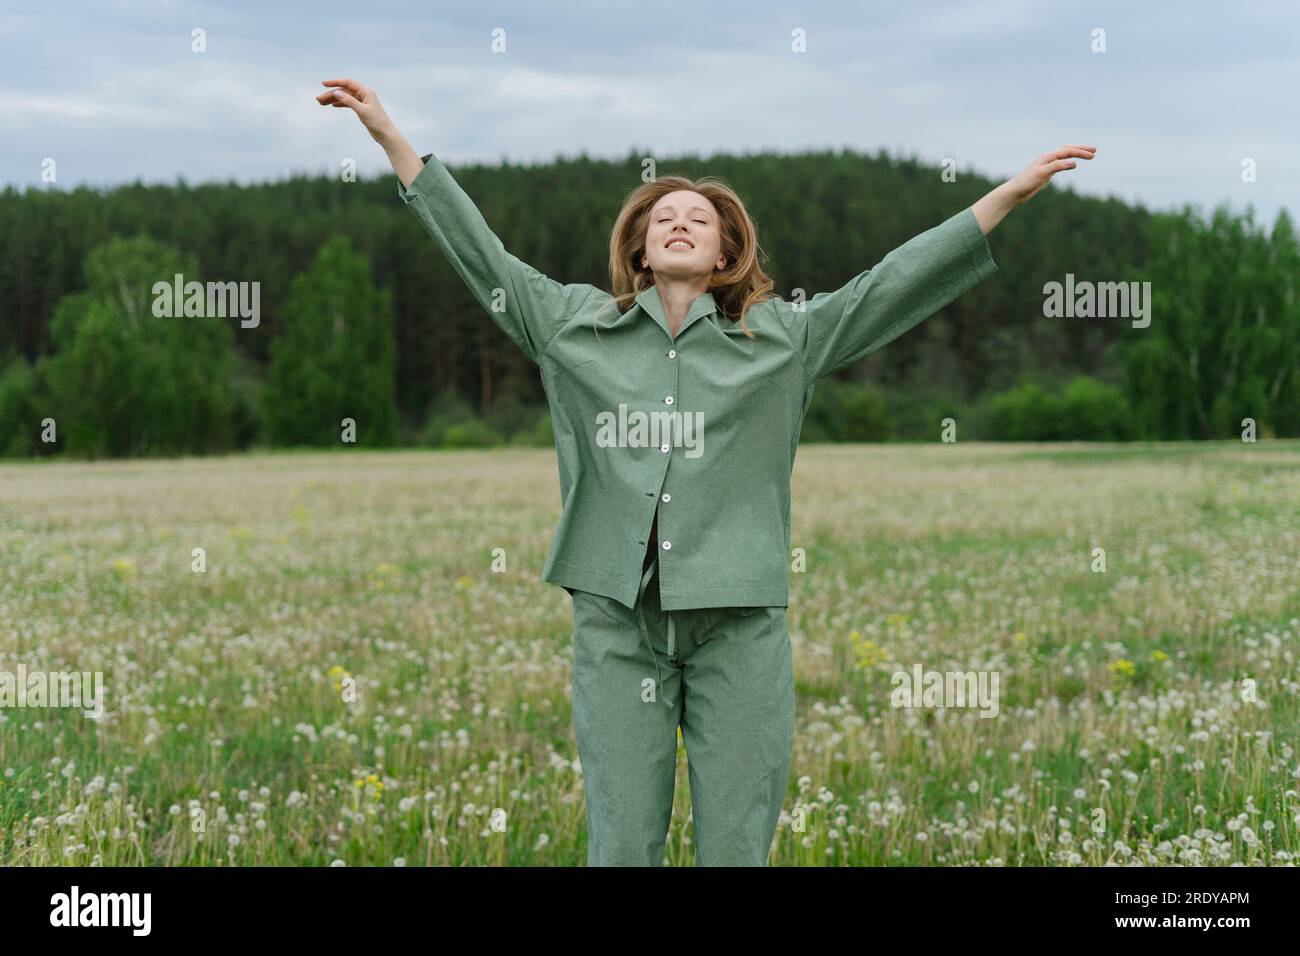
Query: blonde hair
[{"x": 741, "y": 284}]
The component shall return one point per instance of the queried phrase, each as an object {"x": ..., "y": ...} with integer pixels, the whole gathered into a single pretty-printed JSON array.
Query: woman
[{"x": 677, "y": 403}]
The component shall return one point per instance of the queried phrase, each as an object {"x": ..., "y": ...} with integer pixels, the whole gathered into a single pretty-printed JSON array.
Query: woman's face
[{"x": 684, "y": 240}]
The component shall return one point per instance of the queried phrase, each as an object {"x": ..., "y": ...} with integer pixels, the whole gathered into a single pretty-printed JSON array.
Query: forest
[{"x": 360, "y": 317}]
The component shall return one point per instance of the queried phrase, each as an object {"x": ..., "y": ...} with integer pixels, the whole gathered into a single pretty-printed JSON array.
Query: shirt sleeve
[
  {"x": 527, "y": 305},
  {"x": 909, "y": 285}
]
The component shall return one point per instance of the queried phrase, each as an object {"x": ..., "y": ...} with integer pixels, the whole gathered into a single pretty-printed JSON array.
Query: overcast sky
[{"x": 1184, "y": 92}]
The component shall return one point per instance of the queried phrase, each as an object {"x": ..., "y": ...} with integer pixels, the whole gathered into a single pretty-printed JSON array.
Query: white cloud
[{"x": 1173, "y": 106}]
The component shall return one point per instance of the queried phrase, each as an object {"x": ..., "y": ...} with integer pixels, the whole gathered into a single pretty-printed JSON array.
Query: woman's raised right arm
[{"x": 527, "y": 305}]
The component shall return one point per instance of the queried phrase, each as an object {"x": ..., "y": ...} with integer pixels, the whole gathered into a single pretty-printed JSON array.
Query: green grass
[{"x": 1121, "y": 693}]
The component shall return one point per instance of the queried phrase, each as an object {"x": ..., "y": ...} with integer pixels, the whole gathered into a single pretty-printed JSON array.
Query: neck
[{"x": 676, "y": 295}]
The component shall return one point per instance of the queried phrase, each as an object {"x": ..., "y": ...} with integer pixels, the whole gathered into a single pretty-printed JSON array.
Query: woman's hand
[
  {"x": 990, "y": 210},
  {"x": 362, "y": 101},
  {"x": 1035, "y": 176}
]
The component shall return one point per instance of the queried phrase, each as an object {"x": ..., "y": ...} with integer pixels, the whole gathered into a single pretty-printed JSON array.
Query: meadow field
[{"x": 1149, "y": 712}]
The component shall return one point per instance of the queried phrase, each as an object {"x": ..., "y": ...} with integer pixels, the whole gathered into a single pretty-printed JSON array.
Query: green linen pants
[{"x": 724, "y": 675}]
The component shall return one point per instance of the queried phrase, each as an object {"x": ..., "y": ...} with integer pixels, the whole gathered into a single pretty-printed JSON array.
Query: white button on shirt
[
  {"x": 667, "y": 497},
  {"x": 668, "y": 545}
]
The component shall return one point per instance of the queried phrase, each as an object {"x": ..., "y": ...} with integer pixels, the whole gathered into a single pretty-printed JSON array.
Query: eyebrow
[{"x": 670, "y": 206}]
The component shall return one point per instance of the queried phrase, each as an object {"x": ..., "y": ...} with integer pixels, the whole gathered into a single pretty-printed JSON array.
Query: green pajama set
[{"x": 675, "y": 456}]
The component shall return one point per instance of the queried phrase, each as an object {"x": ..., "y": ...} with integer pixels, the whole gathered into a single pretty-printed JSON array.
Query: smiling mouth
[{"x": 679, "y": 244}]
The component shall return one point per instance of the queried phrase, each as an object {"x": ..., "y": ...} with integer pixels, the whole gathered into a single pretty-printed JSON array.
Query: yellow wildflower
[
  {"x": 869, "y": 653},
  {"x": 1124, "y": 668}
]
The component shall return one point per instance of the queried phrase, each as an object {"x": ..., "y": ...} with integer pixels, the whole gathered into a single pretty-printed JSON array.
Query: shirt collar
[{"x": 652, "y": 305}]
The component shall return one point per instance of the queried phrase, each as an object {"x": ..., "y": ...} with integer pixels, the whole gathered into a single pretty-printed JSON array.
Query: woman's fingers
[
  {"x": 1036, "y": 175},
  {"x": 339, "y": 98},
  {"x": 350, "y": 85},
  {"x": 348, "y": 93},
  {"x": 1065, "y": 152},
  {"x": 343, "y": 98},
  {"x": 362, "y": 93},
  {"x": 344, "y": 93}
]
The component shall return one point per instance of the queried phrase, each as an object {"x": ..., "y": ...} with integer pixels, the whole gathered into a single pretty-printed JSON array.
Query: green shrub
[
  {"x": 448, "y": 409},
  {"x": 19, "y": 426},
  {"x": 543, "y": 434},
  {"x": 918, "y": 414},
  {"x": 538, "y": 435},
  {"x": 1024, "y": 413},
  {"x": 452, "y": 423},
  {"x": 471, "y": 434},
  {"x": 510, "y": 417},
  {"x": 1085, "y": 410},
  {"x": 1094, "y": 411},
  {"x": 845, "y": 411}
]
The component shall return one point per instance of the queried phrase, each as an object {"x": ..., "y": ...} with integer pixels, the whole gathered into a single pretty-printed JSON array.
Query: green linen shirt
[{"x": 700, "y": 429}]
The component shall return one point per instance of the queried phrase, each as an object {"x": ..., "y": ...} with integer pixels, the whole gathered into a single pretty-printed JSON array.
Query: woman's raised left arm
[{"x": 915, "y": 280}]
